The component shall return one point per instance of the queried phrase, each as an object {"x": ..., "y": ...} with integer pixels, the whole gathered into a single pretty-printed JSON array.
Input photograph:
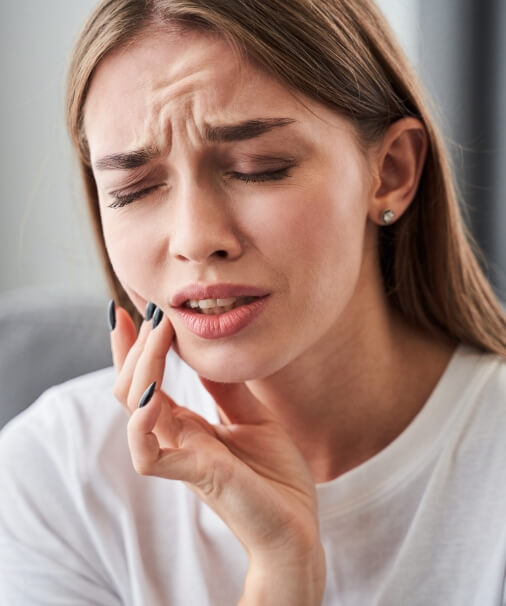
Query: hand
[{"x": 247, "y": 469}]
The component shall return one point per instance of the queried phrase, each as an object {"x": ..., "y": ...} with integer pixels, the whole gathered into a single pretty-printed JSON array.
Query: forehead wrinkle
[
  {"x": 175, "y": 102},
  {"x": 160, "y": 128}
]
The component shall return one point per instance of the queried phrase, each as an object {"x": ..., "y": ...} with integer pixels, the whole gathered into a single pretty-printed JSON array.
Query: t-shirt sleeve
[{"x": 47, "y": 556}]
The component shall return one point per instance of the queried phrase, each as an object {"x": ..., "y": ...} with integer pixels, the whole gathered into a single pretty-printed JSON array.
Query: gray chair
[{"x": 47, "y": 338}]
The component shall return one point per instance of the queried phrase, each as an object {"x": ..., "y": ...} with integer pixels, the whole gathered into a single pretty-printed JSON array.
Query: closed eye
[
  {"x": 274, "y": 175},
  {"x": 122, "y": 199}
]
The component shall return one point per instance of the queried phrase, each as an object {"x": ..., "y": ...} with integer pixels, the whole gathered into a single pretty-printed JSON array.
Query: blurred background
[{"x": 458, "y": 47}]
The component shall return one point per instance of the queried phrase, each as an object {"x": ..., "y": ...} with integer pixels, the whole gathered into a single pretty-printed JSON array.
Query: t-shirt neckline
[{"x": 412, "y": 448}]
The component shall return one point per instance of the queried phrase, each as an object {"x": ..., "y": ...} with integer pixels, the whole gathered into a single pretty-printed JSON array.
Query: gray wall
[
  {"x": 45, "y": 238},
  {"x": 463, "y": 63}
]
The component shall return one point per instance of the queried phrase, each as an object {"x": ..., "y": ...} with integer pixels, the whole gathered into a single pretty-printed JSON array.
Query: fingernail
[
  {"x": 150, "y": 308},
  {"x": 111, "y": 315},
  {"x": 147, "y": 395},
  {"x": 157, "y": 317}
]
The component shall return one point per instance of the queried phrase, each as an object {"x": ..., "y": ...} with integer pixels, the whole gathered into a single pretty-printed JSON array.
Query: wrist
[{"x": 289, "y": 580}]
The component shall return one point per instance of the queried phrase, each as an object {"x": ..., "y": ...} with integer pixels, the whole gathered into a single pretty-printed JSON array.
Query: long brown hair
[{"x": 341, "y": 53}]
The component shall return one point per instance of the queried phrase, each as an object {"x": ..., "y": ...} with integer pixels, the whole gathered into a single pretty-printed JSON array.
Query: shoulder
[
  {"x": 485, "y": 374},
  {"x": 57, "y": 416},
  {"x": 487, "y": 399},
  {"x": 56, "y": 446},
  {"x": 478, "y": 427}
]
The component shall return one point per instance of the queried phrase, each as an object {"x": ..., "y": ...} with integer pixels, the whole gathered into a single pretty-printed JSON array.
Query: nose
[{"x": 203, "y": 227}]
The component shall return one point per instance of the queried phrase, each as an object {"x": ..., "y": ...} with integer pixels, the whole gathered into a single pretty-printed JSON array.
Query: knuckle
[
  {"x": 131, "y": 399},
  {"x": 214, "y": 476},
  {"x": 119, "y": 392},
  {"x": 130, "y": 403},
  {"x": 143, "y": 468}
]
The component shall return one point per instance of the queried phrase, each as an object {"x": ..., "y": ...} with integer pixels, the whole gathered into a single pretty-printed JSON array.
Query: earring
[{"x": 387, "y": 216}]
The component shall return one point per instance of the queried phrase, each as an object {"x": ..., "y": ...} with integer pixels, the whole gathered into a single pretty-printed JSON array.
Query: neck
[{"x": 354, "y": 393}]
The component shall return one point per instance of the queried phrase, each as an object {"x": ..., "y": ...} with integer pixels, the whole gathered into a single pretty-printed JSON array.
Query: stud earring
[{"x": 387, "y": 216}]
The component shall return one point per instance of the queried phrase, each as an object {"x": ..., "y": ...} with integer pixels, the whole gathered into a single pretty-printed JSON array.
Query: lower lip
[{"x": 222, "y": 325}]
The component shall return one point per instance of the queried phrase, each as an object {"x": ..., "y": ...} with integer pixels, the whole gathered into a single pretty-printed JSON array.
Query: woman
[{"x": 268, "y": 188}]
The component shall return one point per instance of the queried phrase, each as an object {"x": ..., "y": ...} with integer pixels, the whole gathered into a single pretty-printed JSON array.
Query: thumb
[{"x": 237, "y": 402}]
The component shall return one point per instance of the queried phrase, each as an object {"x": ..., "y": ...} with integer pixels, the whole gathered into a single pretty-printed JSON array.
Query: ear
[{"x": 399, "y": 162}]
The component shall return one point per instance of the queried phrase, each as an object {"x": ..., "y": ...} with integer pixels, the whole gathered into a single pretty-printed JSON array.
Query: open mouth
[{"x": 213, "y": 307}]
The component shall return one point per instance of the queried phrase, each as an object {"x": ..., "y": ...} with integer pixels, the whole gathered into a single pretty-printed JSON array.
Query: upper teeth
[
  {"x": 208, "y": 303},
  {"x": 218, "y": 305}
]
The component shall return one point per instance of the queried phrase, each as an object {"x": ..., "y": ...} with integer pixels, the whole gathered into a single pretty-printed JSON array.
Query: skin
[{"x": 328, "y": 365}]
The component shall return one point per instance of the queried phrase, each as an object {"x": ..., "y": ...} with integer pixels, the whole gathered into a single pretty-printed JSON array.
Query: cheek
[
  {"x": 309, "y": 231},
  {"x": 131, "y": 249}
]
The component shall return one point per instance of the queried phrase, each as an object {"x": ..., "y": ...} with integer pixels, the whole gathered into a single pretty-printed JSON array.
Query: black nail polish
[
  {"x": 111, "y": 315},
  {"x": 150, "y": 310},
  {"x": 147, "y": 395},
  {"x": 157, "y": 317}
]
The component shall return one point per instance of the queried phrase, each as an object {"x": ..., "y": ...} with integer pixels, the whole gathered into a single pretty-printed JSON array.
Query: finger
[
  {"x": 150, "y": 364},
  {"x": 160, "y": 415},
  {"x": 237, "y": 403},
  {"x": 147, "y": 456},
  {"x": 143, "y": 443},
  {"x": 125, "y": 373},
  {"x": 122, "y": 336}
]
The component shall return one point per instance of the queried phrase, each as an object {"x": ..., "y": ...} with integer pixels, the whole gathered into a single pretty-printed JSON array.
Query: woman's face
[{"x": 210, "y": 172}]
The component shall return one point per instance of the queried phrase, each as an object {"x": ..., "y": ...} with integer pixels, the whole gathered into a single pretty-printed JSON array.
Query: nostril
[{"x": 222, "y": 254}]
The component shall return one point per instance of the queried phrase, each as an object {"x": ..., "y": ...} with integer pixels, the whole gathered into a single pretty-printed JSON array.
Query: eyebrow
[
  {"x": 126, "y": 160},
  {"x": 249, "y": 129}
]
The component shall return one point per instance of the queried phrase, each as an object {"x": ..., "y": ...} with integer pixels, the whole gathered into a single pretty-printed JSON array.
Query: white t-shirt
[{"x": 423, "y": 523}]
